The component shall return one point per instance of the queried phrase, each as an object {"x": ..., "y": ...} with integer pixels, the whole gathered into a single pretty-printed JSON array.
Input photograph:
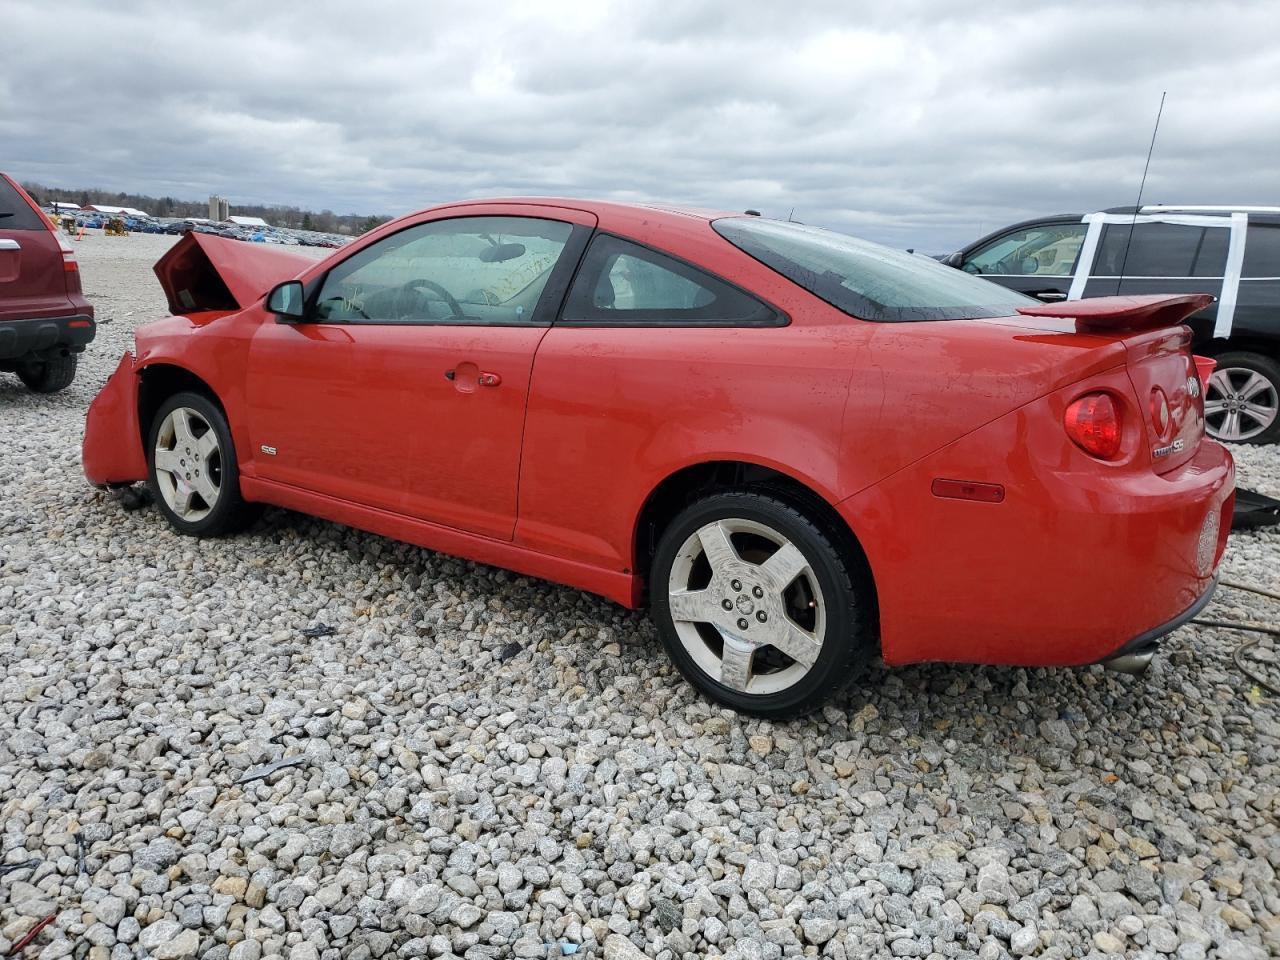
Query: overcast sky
[{"x": 918, "y": 124}]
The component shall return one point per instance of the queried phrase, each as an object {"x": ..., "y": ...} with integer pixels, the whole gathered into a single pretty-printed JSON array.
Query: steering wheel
[{"x": 417, "y": 285}]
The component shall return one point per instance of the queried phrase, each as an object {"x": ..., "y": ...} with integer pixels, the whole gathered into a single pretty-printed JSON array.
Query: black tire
[
  {"x": 847, "y": 643},
  {"x": 1257, "y": 363},
  {"x": 229, "y": 512},
  {"x": 48, "y": 376}
]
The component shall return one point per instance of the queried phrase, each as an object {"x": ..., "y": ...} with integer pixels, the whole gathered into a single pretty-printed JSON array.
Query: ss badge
[{"x": 269, "y": 451}]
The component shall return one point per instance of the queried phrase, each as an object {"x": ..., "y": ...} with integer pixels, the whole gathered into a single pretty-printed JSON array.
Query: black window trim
[
  {"x": 779, "y": 317},
  {"x": 550, "y": 301}
]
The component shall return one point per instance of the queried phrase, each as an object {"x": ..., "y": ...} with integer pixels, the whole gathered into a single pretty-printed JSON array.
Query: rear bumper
[
  {"x": 1079, "y": 561},
  {"x": 1134, "y": 656},
  {"x": 112, "y": 452},
  {"x": 23, "y": 338}
]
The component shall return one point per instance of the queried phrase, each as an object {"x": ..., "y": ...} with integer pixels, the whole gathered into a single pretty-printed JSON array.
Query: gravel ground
[{"x": 483, "y": 765}]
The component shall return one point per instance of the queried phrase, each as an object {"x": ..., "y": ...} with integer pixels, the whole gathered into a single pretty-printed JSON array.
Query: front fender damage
[{"x": 112, "y": 451}]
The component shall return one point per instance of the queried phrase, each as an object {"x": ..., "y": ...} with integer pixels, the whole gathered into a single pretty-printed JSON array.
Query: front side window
[
  {"x": 1045, "y": 251},
  {"x": 1169, "y": 250},
  {"x": 624, "y": 283},
  {"x": 478, "y": 270},
  {"x": 866, "y": 280}
]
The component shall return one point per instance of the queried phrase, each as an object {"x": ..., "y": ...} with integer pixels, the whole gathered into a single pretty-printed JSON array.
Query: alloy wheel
[
  {"x": 188, "y": 462},
  {"x": 747, "y": 606},
  {"x": 1239, "y": 404}
]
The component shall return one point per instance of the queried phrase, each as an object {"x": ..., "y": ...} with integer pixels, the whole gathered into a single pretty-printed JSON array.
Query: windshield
[{"x": 866, "y": 280}]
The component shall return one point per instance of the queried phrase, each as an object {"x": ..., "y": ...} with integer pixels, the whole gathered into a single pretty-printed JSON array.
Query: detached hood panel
[{"x": 203, "y": 272}]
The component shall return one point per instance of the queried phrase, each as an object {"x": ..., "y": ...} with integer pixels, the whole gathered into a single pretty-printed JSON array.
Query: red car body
[{"x": 991, "y": 536}]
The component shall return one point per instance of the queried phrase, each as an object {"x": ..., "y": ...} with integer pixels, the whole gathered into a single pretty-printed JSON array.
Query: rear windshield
[
  {"x": 866, "y": 280},
  {"x": 15, "y": 212}
]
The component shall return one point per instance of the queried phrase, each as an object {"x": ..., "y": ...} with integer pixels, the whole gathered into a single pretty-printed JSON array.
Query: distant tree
[
  {"x": 306, "y": 221},
  {"x": 84, "y": 198}
]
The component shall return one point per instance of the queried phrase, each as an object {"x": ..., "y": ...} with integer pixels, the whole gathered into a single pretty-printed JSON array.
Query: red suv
[{"x": 45, "y": 320}]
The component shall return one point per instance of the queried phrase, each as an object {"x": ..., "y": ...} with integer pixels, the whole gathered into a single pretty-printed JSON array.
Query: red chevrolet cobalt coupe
[{"x": 798, "y": 448}]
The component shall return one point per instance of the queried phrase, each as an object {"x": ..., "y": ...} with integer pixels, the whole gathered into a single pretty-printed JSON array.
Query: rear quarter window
[{"x": 15, "y": 212}]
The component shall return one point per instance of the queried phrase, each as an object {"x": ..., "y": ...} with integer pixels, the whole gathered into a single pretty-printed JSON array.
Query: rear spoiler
[
  {"x": 204, "y": 272},
  {"x": 1118, "y": 314}
]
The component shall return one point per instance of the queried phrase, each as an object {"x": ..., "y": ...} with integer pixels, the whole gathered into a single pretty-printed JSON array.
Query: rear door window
[
  {"x": 1159, "y": 250},
  {"x": 15, "y": 212},
  {"x": 1262, "y": 251}
]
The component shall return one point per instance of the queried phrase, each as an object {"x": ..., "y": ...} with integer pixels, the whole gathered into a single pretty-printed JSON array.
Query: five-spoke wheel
[
  {"x": 193, "y": 467},
  {"x": 757, "y": 605},
  {"x": 188, "y": 463}
]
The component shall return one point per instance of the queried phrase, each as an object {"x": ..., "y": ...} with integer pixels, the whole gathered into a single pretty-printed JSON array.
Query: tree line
[{"x": 324, "y": 221}]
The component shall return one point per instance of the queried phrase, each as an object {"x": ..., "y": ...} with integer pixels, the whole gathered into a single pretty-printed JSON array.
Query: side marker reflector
[{"x": 968, "y": 490}]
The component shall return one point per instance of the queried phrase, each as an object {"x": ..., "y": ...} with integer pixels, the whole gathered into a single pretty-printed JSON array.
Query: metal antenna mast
[{"x": 1141, "y": 186}]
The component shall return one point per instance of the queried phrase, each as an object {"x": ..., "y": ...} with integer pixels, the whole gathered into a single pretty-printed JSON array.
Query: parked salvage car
[
  {"x": 798, "y": 448},
  {"x": 45, "y": 320},
  {"x": 1232, "y": 253}
]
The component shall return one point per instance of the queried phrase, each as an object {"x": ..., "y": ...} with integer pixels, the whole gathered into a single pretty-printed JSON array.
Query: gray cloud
[{"x": 912, "y": 123}]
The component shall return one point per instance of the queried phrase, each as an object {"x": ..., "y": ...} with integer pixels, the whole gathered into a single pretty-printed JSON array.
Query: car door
[
  {"x": 406, "y": 387},
  {"x": 1037, "y": 260},
  {"x": 33, "y": 280}
]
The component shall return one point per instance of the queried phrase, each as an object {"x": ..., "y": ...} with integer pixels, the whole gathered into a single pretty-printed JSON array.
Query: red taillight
[
  {"x": 68, "y": 255},
  {"x": 1093, "y": 423}
]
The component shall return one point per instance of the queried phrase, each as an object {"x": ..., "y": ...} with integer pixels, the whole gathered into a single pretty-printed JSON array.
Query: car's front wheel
[
  {"x": 48, "y": 376},
  {"x": 194, "y": 476},
  {"x": 1242, "y": 402},
  {"x": 758, "y": 606}
]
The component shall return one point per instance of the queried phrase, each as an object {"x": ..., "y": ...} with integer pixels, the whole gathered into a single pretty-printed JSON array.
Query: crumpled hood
[{"x": 204, "y": 272}]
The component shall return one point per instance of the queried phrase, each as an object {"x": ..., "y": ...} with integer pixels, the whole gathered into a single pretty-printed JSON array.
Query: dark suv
[
  {"x": 44, "y": 318},
  {"x": 1230, "y": 252}
]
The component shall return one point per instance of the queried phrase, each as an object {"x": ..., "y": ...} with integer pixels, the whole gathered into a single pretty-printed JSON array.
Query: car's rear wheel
[
  {"x": 1242, "y": 402},
  {"x": 194, "y": 476},
  {"x": 48, "y": 376},
  {"x": 757, "y": 605}
]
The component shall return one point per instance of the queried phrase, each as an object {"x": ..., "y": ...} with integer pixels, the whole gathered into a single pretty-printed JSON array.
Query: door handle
[
  {"x": 1050, "y": 296},
  {"x": 465, "y": 377},
  {"x": 7, "y": 244}
]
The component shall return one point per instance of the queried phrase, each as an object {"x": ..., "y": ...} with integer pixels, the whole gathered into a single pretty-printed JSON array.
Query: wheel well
[
  {"x": 693, "y": 483},
  {"x": 161, "y": 381}
]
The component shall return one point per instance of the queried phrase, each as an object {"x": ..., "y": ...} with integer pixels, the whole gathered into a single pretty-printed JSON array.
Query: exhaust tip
[{"x": 1135, "y": 663}]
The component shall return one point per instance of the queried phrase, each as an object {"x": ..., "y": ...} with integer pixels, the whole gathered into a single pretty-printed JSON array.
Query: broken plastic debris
[
  {"x": 319, "y": 630},
  {"x": 267, "y": 769}
]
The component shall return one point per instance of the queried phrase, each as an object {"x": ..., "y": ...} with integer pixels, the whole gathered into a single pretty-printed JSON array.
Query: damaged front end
[
  {"x": 202, "y": 272},
  {"x": 112, "y": 452}
]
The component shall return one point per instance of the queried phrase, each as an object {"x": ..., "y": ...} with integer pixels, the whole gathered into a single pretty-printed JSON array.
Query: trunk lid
[
  {"x": 203, "y": 272},
  {"x": 1166, "y": 385}
]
